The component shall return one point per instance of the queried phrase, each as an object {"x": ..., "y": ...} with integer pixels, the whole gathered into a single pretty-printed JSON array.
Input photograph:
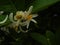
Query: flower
[
  {"x": 22, "y": 18},
  {"x": 16, "y": 20},
  {"x": 29, "y": 17}
]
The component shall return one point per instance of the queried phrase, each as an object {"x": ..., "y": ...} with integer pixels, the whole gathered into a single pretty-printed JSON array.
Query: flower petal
[
  {"x": 19, "y": 13},
  {"x": 28, "y": 22},
  {"x": 30, "y": 10},
  {"x": 17, "y": 23},
  {"x": 11, "y": 17},
  {"x": 34, "y": 15},
  {"x": 4, "y": 20},
  {"x": 22, "y": 23},
  {"x": 23, "y": 30},
  {"x": 33, "y": 21}
]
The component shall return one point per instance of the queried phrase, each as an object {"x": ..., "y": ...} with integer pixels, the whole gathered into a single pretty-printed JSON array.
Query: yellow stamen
[
  {"x": 18, "y": 16},
  {"x": 29, "y": 17}
]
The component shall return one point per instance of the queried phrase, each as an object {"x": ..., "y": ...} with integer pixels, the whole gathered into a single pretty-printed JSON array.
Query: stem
[{"x": 48, "y": 41}]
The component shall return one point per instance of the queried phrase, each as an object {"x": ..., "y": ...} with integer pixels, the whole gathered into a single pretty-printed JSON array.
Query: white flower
[
  {"x": 16, "y": 19},
  {"x": 4, "y": 20},
  {"x": 29, "y": 17},
  {"x": 22, "y": 18}
]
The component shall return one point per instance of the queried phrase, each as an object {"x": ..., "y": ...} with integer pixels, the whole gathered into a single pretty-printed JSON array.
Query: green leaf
[
  {"x": 50, "y": 38},
  {"x": 15, "y": 4},
  {"x": 40, "y": 38},
  {"x": 42, "y": 4},
  {"x": 7, "y": 8},
  {"x": 6, "y": 5},
  {"x": 49, "y": 34}
]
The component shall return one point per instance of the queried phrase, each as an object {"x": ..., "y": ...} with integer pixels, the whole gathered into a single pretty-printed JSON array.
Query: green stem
[{"x": 48, "y": 41}]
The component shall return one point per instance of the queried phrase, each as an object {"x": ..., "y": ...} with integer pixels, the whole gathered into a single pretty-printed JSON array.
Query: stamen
[
  {"x": 18, "y": 16},
  {"x": 29, "y": 17}
]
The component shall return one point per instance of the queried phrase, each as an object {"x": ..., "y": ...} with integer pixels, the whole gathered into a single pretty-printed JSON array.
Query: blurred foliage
[
  {"x": 39, "y": 38},
  {"x": 46, "y": 32},
  {"x": 41, "y": 4}
]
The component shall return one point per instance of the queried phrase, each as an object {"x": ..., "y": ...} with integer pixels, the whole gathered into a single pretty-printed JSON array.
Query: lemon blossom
[
  {"x": 16, "y": 19},
  {"x": 22, "y": 18},
  {"x": 29, "y": 17}
]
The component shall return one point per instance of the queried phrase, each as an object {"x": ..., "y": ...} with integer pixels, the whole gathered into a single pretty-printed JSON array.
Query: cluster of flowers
[{"x": 21, "y": 18}]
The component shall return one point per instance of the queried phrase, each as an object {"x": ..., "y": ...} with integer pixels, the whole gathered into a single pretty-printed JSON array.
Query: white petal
[
  {"x": 19, "y": 12},
  {"x": 4, "y": 20},
  {"x": 1, "y": 12},
  {"x": 22, "y": 23},
  {"x": 30, "y": 10},
  {"x": 11, "y": 17},
  {"x": 18, "y": 22},
  {"x": 25, "y": 13},
  {"x": 23, "y": 30},
  {"x": 28, "y": 24},
  {"x": 34, "y": 15},
  {"x": 33, "y": 21}
]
